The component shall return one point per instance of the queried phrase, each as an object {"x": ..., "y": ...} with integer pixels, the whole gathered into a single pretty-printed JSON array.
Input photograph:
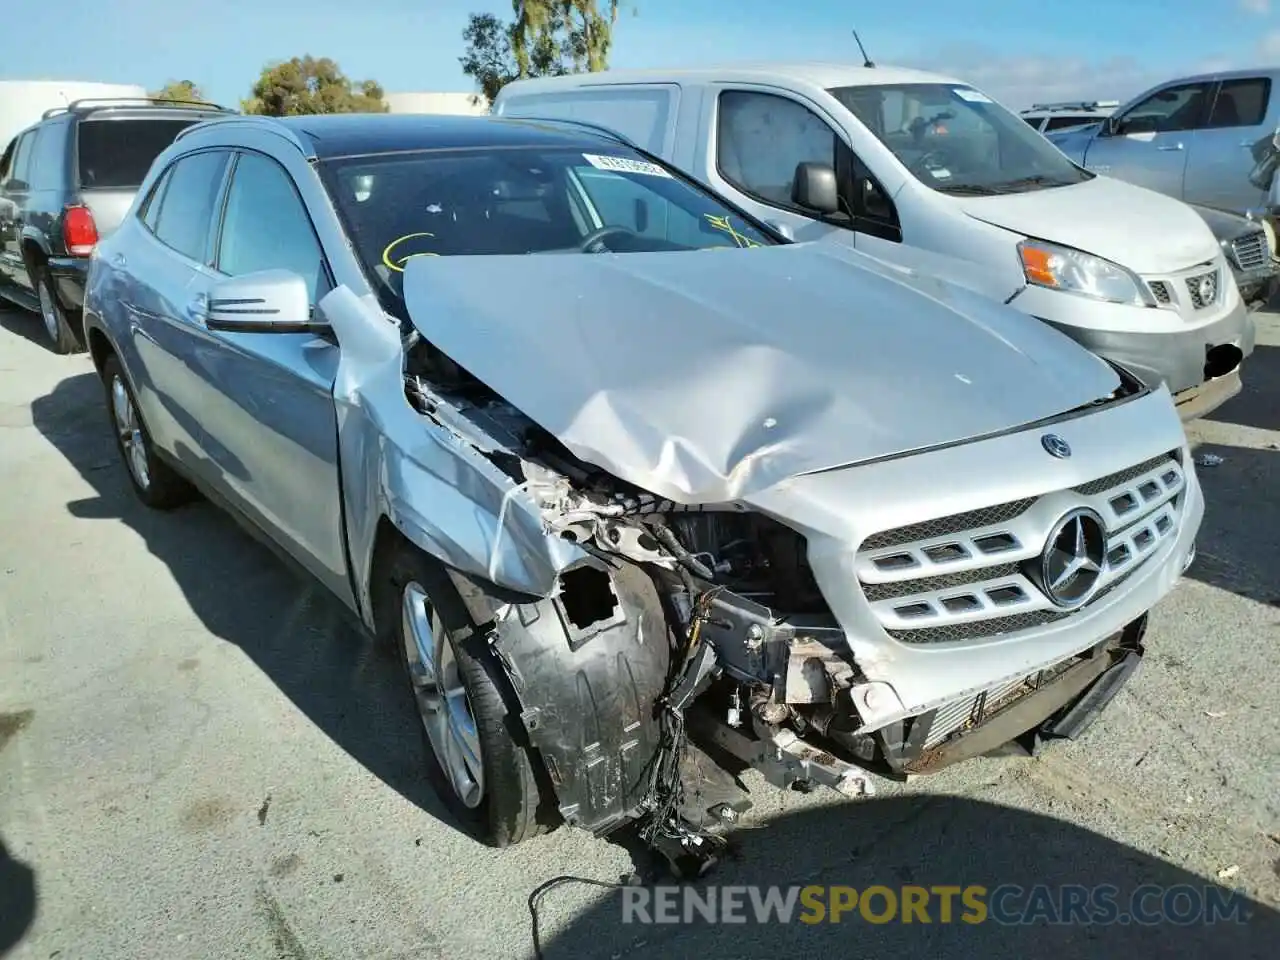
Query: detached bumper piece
[{"x": 1060, "y": 702}]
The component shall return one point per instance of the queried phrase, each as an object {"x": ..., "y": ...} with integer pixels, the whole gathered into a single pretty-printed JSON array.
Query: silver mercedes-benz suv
[{"x": 625, "y": 479}]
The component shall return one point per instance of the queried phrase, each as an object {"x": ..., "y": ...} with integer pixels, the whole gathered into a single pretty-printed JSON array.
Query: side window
[
  {"x": 150, "y": 212},
  {"x": 1240, "y": 103},
  {"x": 185, "y": 216},
  {"x": 266, "y": 226},
  {"x": 761, "y": 137},
  {"x": 1173, "y": 108},
  {"x": 47, "y": 157},
  {"x": 6, "y": 161},
  {"x": 21, "y": 157},
  {"x": 1060, "y": 123}
]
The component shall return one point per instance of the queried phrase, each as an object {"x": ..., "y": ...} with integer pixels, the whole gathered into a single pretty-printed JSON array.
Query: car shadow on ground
[
  {"x": 935, "y": 841},
  {"x": 17, "y": 900},
  {"x": 1237, "y": 548},
  {"x": 23, "y": 323},
  {"x": 292, "y": 629}
]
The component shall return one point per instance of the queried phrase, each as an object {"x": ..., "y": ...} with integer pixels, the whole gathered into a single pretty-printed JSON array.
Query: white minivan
[{"x": 898, "y": 163}]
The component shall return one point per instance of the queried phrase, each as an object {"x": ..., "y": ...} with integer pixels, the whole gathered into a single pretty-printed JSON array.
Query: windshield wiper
[
  {"x": 967, "y": 189},
  {"x": 1038, "y": 180}
]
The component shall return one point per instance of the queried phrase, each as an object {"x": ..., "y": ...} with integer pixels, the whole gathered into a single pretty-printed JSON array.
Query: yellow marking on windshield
[
  {"x": 398, "y": 265},
  {"x": 724, "y": 225}
]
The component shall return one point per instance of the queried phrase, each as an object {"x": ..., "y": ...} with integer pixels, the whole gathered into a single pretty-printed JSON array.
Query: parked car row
[
  {"x": 836, "y": 502},
  {"x": 927, "y": 172},
  {"x": 65, "y": 183}
]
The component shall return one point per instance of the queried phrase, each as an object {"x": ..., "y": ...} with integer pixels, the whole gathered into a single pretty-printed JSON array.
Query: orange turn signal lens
[{"x": 1037, "y": 265}]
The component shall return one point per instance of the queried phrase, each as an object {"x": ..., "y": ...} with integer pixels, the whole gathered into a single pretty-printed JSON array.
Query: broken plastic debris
[
  {"x": 1226, "y": 873},
  {"x": 1215, "y": 715},
  {"x": 1209, "y": 460}
]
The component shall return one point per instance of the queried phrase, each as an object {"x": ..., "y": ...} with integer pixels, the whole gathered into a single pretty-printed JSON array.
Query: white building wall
[{"x": 23, "y": 101}]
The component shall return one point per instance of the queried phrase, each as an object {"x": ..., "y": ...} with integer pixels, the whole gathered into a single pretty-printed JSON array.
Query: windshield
[
  {"x": 957, "y": 140},
  {"x": 528, "y": 200}
]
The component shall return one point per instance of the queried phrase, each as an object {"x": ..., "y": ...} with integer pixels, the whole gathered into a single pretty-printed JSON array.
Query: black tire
[
  {"x": 57, "y": 324},
  {"x": 163, "y": 489},
  {"x": 508, "y": 811}
]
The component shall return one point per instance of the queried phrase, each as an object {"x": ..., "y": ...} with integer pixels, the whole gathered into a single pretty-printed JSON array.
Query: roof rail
[
  {"x": 238, "y": 119},
  {"x": 85, "y": 104},
  {"x": 584, "y": 124}
]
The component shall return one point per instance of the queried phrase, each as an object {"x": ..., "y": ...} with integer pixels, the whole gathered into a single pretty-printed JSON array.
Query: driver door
[
  {"x": 760, "y": 138},
  {"x": 1148, "y": 144}
]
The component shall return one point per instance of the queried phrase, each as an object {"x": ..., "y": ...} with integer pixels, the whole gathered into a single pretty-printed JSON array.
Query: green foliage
[
  {"x": 184, "y": 90},
  {"x": 546, "y": 38},
  {"x": 306, "y": 85}
]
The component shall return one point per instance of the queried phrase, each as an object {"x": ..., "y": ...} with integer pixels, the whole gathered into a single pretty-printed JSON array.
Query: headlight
[{"x": 1060, "y": 268}]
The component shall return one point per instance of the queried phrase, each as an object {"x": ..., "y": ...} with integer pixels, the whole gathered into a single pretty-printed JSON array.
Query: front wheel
[
  {"x": 475, "y": 763},
  {"x": 154, "y": 481}
]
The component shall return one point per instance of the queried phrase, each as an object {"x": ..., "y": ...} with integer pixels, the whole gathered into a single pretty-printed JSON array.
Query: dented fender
[{"x": 437, "y": 489}]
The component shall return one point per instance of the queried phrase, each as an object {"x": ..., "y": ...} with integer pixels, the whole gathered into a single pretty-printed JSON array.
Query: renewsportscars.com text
[{"x": 1007, "y": 904}]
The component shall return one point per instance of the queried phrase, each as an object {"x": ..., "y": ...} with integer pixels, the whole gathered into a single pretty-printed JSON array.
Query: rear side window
[
  {"x": 185, "y": 217},
  {"x": 22, "y": 154},
  {"x": 47, "y": 157},
  {"x": 116, "y": 154},
  {"x": 1059, "y": 123},
  {"x": 1240, "y": 103},
  {"x": 266, "y": 225}
]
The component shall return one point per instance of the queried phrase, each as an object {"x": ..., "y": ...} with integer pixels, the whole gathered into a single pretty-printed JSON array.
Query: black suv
[{"x": 65, "y": 183}]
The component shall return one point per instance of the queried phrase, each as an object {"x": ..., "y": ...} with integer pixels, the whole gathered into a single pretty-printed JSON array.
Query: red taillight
[{"x": 79, "y": 232}]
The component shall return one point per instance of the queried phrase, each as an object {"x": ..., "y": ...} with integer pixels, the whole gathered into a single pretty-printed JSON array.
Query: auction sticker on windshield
[
  {"x": 973, "y": 96},
  {"x": 625, "y": 165}
]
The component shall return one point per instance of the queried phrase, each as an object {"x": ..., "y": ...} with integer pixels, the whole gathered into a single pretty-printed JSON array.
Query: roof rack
[
  {"x": 585, "y": 124},
  {"x": 86, "y": 104},
  {"x": 1075, "y": 105}
]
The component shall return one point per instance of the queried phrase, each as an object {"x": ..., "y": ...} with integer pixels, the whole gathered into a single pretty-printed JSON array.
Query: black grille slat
[
  {"x": 1250, "y": 252},
  {"x": 1103, "y": 484},
  {"x": 903, "y": 588},
  {"x": 946, "y": 526},
  {"x": 996, "y": 626}
]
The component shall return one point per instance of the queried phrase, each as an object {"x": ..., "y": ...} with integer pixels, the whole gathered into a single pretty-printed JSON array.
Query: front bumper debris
[{"x": 1058, "y": 703}]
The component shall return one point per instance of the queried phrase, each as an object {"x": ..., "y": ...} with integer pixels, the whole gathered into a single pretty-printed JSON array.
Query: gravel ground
[{"x": 198, "y": 759}]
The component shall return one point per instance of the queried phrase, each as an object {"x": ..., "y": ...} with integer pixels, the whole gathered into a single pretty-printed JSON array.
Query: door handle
[{"x": 1170, "y": 146}]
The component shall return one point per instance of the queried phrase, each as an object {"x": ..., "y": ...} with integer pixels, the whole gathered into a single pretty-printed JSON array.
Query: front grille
[
  {"x": 1250, "y": 251},
  {"x": 959, "y": 715},
  {"x": 1160, "y": 290},
  {"x": 1203, "y": 289},
  {"x": 971, "y": 576}
]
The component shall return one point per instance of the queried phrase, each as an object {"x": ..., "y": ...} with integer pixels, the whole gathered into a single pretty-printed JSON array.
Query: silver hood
[{"x": 705, "y": 377}]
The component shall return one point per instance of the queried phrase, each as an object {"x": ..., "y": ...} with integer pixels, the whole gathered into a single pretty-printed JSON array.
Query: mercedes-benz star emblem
[
  {"x": 1074, "y": 558},
  {"x": 1207, "y": 288},
  {"x": 1055, "y": 446}
]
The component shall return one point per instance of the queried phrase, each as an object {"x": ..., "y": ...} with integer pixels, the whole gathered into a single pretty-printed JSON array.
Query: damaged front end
[{"x": 665, "y": 554}]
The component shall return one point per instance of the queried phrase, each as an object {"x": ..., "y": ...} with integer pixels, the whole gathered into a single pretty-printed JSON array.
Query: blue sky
[{"x": 1102, "y": 48}]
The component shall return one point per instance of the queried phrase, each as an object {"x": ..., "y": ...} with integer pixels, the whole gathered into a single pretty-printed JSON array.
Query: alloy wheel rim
[
  {"x": 48, "y": 312},
  {"x": 441, "y": 699},
  {"x": 129, "y": 430}
]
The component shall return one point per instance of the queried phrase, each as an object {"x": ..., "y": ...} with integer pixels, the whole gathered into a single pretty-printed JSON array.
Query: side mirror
[
  {"x": 815, "y": 188},
  {"x": 270, "y": 301}
]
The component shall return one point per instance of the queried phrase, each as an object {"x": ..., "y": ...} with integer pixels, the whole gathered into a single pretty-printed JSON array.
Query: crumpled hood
[
  {"x": 706, "y": 376},
  {"x": 1129, "y": 225}
]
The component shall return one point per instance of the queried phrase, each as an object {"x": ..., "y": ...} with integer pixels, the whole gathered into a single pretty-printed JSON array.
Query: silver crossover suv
[{"x": 620, "y": 474}]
